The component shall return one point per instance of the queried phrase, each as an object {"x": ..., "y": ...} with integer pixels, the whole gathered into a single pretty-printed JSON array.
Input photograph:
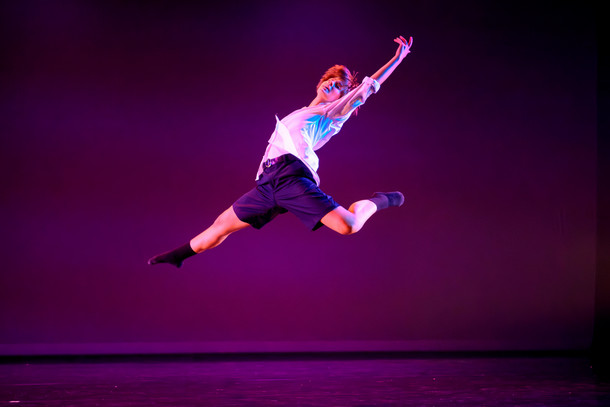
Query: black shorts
[{"x": 286, "y": 186}]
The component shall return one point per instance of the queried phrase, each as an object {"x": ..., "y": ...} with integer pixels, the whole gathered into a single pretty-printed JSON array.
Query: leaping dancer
[{"x": 287, "y": 180}]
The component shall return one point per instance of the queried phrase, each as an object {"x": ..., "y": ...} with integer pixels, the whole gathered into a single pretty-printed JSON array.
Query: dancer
[{"x": 287, "y": 180}]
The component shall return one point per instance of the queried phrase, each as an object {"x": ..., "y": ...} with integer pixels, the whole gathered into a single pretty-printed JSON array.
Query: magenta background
[{"x": 127, "y": 127}]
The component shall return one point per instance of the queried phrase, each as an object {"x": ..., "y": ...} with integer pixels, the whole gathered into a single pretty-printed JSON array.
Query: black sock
[
  {"x": 175, "y": 257},
  {"x": 385, "y": 200}
]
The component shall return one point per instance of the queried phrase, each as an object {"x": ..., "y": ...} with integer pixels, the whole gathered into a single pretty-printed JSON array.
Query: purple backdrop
[{"x": 128, "y": 126}]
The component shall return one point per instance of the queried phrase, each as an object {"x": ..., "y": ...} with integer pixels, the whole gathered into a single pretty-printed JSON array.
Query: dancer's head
[{"x": 335, "y": 82}]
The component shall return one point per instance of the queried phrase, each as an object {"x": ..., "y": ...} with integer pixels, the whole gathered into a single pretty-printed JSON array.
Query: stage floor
[{"x": 328, "y": 381}]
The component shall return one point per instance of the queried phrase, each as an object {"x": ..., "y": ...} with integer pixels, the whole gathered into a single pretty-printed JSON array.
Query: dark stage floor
[{"x": 305, "y": 381}]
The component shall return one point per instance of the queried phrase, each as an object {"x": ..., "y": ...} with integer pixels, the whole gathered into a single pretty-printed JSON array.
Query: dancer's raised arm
[{"x": 404, "y": 47}]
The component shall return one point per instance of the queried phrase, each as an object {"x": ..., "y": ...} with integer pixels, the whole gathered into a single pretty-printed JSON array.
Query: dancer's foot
[
  {"x": 387, "y": 199},
  {"x": 175, "y": 257}
]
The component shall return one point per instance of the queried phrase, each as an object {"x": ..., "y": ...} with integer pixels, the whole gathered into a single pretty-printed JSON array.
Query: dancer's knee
[
  {"x": 222, "y": 224},
  {"x": 227, "y": 223},
  {"x": 221, "y": 221},
  {"x": 341, "y": 221},
  {"x": 347, "y": 229}
]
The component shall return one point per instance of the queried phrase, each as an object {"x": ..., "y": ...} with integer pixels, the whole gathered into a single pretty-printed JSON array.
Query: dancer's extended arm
[
  {"x": 358, "y": 96},
  {"x": 404, "y": 47}
]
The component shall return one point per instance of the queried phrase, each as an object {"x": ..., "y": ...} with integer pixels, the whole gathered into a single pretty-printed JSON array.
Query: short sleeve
[
  {"x": 344, "y": 106},
  {"x": 372, "y": 82}
]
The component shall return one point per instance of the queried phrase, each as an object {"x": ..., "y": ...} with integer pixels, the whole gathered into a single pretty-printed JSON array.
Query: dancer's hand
[{"x": 404, "y": 47}]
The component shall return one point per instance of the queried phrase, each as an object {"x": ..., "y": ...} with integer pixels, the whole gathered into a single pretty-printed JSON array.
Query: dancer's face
[{"x": 330, "y": 90}]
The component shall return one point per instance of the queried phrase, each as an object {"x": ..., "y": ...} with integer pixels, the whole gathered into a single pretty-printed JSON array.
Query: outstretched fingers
[
  {"x": 404, "y": 46},
  {"x": 403, "y": 41}
]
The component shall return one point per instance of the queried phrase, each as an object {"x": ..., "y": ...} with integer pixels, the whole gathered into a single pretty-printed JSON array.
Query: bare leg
[
  {"x": 348, "y": 222},
  {"x": 222, "y": 227}
]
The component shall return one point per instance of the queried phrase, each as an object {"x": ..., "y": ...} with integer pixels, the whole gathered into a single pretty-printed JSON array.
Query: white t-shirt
[{"x": 306, "y": 130}]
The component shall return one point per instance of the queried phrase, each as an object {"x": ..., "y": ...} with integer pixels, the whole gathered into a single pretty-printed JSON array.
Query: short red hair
[{"x": 343, "y": 74}]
